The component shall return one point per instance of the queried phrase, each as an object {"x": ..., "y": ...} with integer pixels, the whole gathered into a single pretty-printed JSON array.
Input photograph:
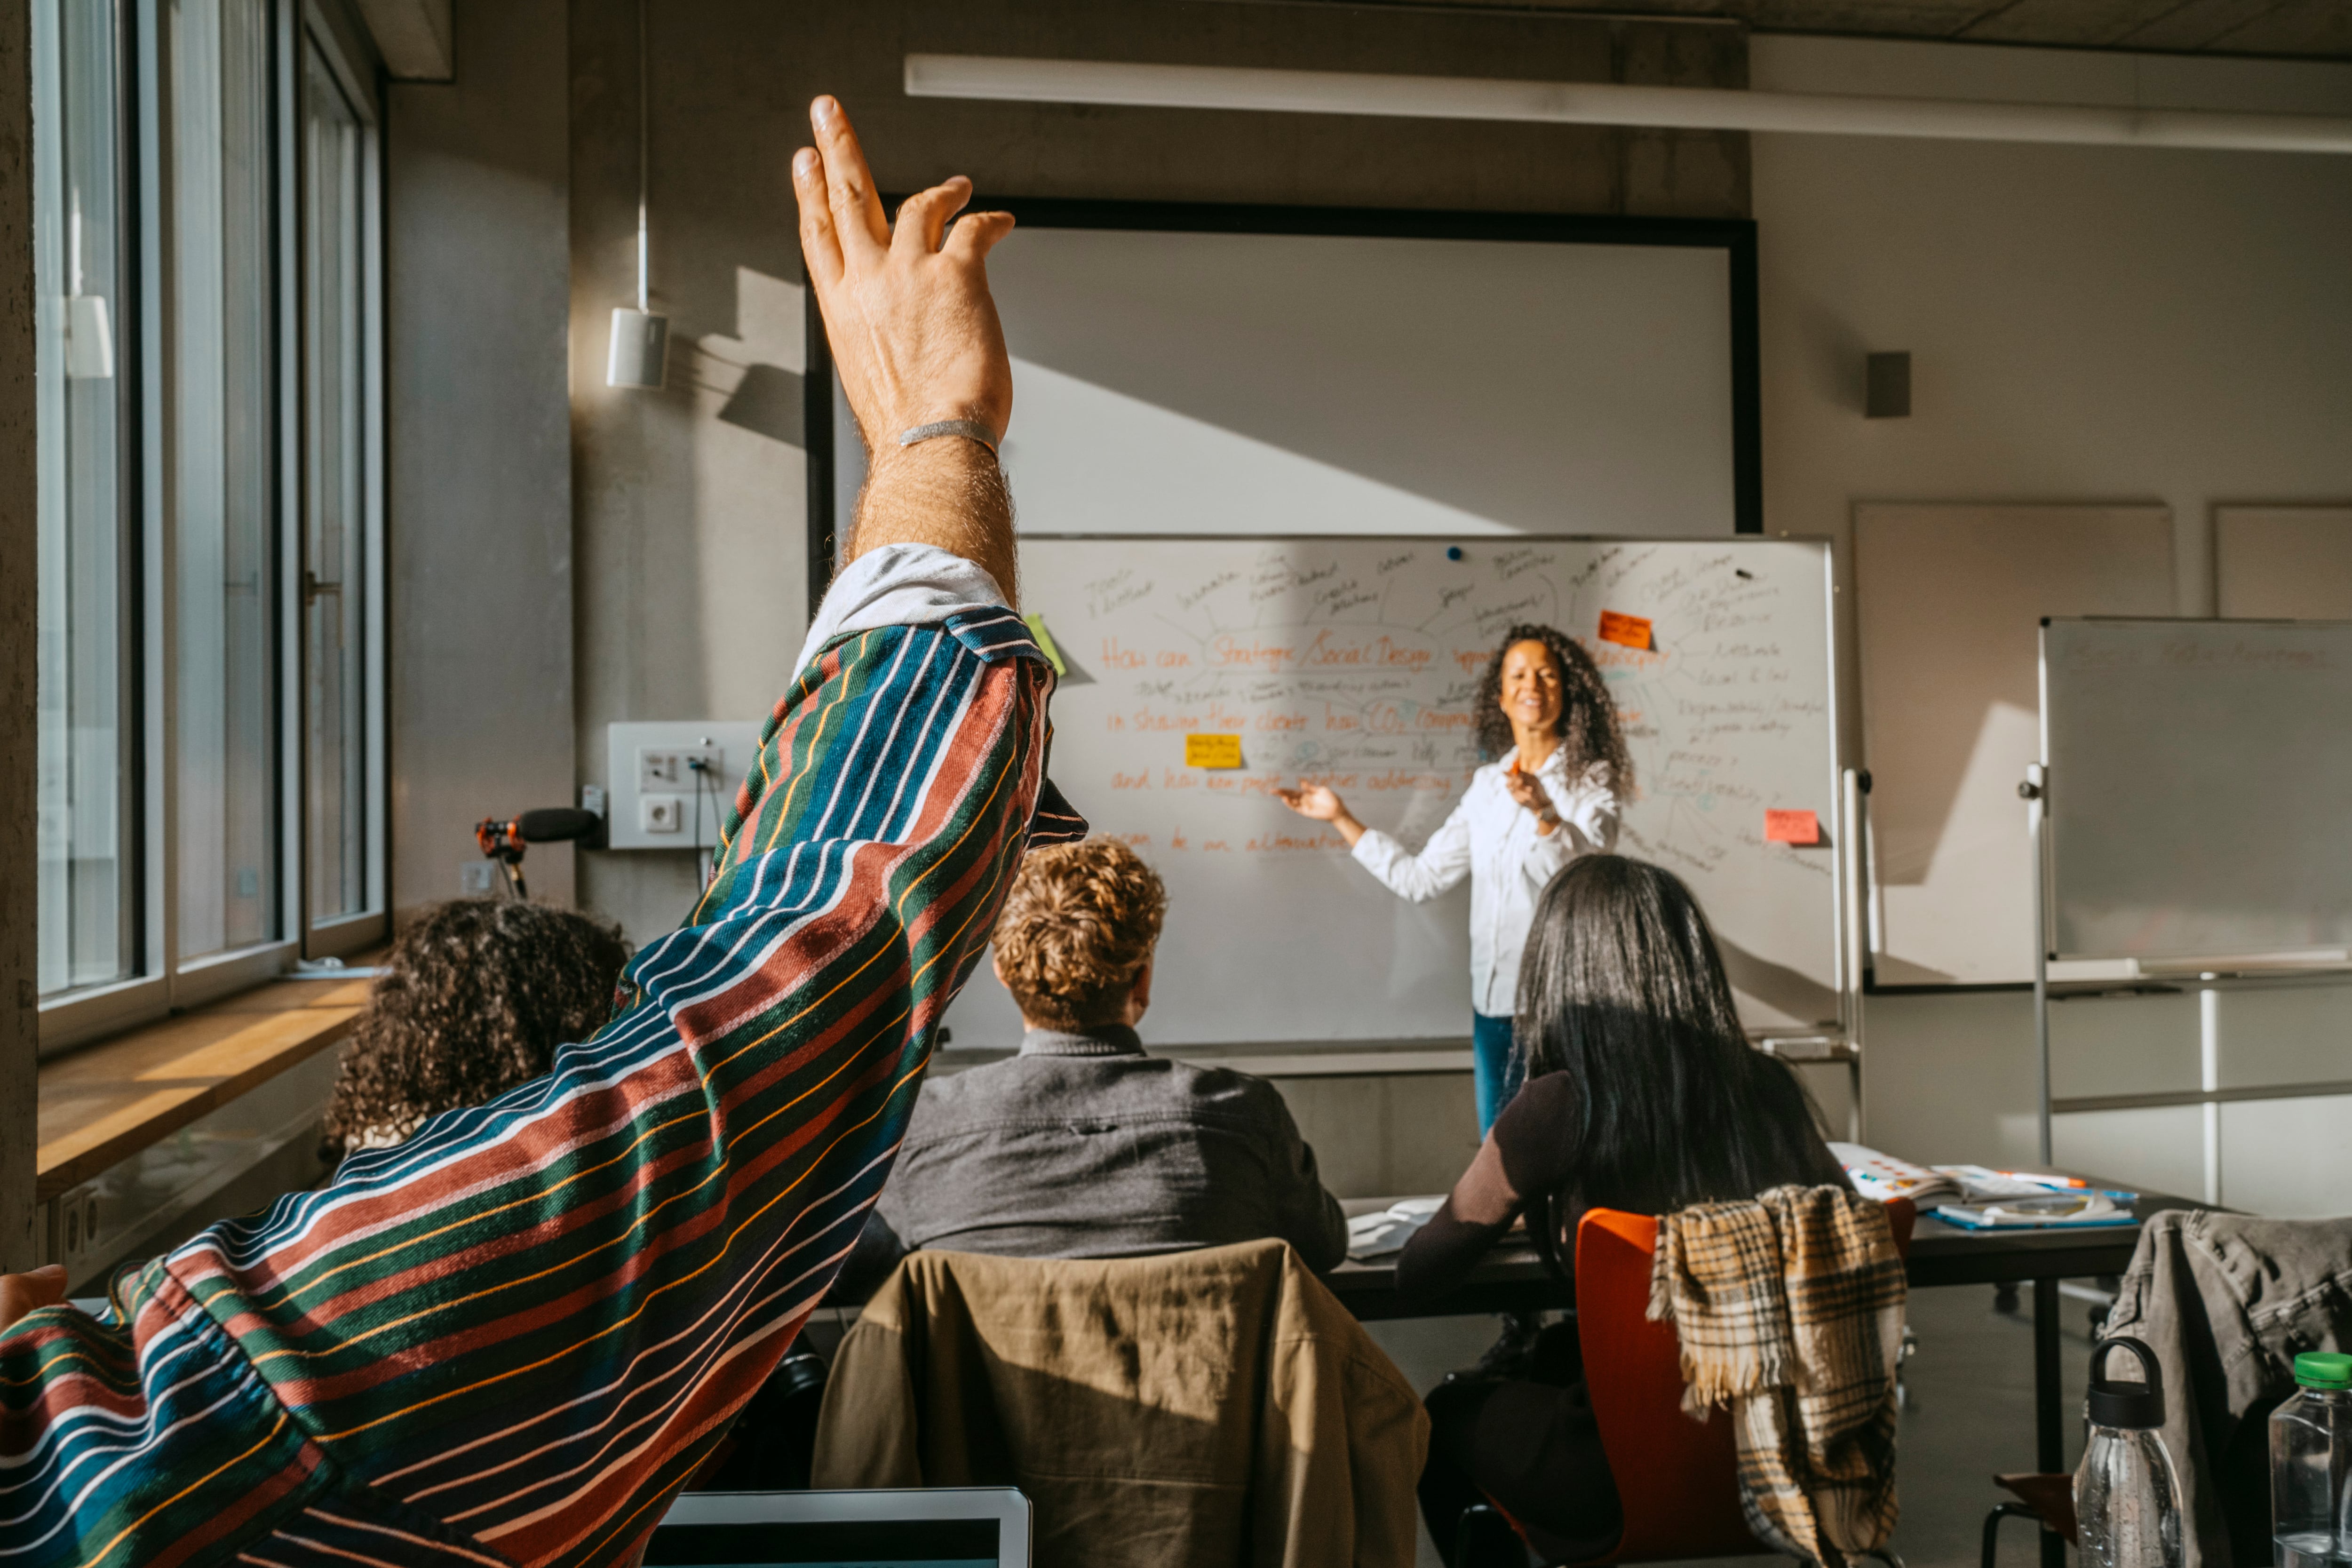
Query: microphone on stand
[{"x": 503, "y": 841}]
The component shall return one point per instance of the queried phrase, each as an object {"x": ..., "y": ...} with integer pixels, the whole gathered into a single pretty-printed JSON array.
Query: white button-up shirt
[{"x": 1492, "y": 839}]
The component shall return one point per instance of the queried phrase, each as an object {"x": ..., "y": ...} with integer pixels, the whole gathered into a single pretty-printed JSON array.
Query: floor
[{"x": 1969, "y": 1413}]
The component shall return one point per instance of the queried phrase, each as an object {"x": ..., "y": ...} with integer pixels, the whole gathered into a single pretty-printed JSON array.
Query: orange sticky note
[
  {"x": 1791, "y": 827},
  {"x": 1626, "y": 631},
  {"x": 1212, "y": 750}
]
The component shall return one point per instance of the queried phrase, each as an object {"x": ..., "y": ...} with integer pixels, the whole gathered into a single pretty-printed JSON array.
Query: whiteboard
[
  {"x": 1353, "y": 661},
  {"x": 1947, "y": 603},
  {"x": 2200, "y": 786}
]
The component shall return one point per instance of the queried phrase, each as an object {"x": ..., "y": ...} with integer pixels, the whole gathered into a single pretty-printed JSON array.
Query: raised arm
[
  {"x": 512, "y": 1338},
  {"x": 916, "y": 339},
  {"x": 1528, "y": 1151},
  {"x": 1443, "y": 860}
]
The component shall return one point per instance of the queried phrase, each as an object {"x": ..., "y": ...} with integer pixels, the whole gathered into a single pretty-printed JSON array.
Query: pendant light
[{"x": 640, "y": 352}]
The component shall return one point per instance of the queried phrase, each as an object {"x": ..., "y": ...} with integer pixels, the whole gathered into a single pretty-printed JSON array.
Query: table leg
[{"x": 2049, "y": 1404}]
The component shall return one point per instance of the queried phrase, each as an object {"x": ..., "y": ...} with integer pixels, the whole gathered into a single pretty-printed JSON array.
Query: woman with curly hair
[
  {"x": 475, "y": 997},
  {"x": 1556, "y": 769}
]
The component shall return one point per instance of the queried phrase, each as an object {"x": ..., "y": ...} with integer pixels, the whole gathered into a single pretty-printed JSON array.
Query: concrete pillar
[{"x": 20, "y": 1017}]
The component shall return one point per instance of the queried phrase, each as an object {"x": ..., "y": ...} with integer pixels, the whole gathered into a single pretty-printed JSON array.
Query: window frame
[
  {"x": 340, "y": 935},
  {"x": 164, "y": 983}
]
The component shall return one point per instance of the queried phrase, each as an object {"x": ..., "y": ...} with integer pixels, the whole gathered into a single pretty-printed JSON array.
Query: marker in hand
[{"x": 1529, "y": 791}]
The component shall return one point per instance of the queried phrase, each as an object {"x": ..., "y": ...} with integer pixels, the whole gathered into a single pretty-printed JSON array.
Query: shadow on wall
[
  {"x": 767, "y": 401},
  {"x": 689, "y": 538},
  {"x": 1785, "y": 990}
]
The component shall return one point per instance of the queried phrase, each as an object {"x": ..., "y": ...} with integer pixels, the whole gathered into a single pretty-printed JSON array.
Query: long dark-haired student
[{"x": 1642, "y": 1094}]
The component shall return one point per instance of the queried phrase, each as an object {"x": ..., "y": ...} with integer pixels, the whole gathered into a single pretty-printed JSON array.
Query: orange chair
[{"x": 1676, "y": 1480}]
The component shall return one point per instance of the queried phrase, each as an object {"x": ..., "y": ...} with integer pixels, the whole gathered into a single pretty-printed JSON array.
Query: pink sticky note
[{"x": 1791, "y": 827}]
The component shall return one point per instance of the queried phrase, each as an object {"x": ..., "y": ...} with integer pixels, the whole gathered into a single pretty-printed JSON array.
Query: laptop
[{"x": 945, "y": 1527}]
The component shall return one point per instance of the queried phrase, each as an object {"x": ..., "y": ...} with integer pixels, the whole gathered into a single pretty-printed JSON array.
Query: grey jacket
[
  {"x": 1083, "y": 1146},
  {"x": 2227, "y": 1301}
]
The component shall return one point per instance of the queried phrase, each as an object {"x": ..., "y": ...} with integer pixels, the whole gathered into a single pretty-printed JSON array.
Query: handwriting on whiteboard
[
  {"x": 1363, "y": 676},
  {"x": 1356, "y": 663}
]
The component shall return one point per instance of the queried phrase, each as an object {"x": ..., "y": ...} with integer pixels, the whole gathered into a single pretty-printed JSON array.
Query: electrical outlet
[
  {"x": 477, "y": 878},
  {"x": 672, "y": 767},
  {"x": 660, "y": 812},
  {"x": 697, "y": 763}
]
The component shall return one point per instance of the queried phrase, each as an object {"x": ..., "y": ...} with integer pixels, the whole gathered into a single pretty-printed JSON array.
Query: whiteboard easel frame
[{"x": 2202, "y": 973}]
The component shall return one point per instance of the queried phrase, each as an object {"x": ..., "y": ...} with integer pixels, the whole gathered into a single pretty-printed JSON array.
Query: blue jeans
[{"x": 1498, "y": 1075}]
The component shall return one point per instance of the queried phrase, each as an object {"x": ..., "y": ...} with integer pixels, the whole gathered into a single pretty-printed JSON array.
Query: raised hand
[
  {"x": 1318, "y": 801},
  {"x": 916, "y": 339},
  {"x": 1529, "y": 793},
  {"x": 913, "y": 329}
]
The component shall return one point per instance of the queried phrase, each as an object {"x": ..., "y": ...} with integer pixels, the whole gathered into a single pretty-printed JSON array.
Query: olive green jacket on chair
[{"x": 1218, "y": 1407}]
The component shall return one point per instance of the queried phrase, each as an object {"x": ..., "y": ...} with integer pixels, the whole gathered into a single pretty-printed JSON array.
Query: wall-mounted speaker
[{"x": 1887, "y": 386}]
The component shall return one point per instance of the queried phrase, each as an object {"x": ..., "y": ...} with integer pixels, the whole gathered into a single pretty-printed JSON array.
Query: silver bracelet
[{"x": 970, "y": 429}]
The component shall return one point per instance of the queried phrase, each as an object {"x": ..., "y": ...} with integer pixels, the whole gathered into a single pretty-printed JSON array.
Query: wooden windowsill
[{"x": 105, "y": 1102}]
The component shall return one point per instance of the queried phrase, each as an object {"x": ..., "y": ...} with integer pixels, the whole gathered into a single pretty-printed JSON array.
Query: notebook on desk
[{"x": 947, "y": 1527}]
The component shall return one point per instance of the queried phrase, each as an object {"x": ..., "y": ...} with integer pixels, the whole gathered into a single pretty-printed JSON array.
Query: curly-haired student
[
  {"x": 1555, "y": 772},
  {"x": 474, "y": 999},
  {"x": 1083, "y": 1145}
]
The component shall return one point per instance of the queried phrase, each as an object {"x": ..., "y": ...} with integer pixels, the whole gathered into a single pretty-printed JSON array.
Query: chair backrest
[
  {"x": 1165, "y": 1409},
  {"x": 1677, "y": 1479}
]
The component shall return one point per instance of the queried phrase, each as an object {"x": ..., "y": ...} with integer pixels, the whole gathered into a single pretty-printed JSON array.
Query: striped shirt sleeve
[{"x": 512, "y": 1338}]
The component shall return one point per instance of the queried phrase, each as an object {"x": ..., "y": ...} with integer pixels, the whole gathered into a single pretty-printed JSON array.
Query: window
[
  {"x": 87, "y": 810},
  {"x": 337, "y": 578},
  {"x": 210, "y": 683},
  {"x": 224, "y": 511}
]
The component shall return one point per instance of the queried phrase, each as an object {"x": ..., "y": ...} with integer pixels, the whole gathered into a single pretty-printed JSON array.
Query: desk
[{"x": 1512, "y": 1278}]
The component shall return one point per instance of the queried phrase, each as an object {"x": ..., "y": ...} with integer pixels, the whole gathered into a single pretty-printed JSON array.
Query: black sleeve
[
  {"x": 870, "y": 1261},
  {"x": 1443, "y": 1252},
  {"x": 1529, "y": 1150},
  {"x": 1537, "y": 1135}
]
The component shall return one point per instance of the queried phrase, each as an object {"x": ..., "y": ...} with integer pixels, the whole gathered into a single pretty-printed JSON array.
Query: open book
[{"x": 1979, "y": 1198}]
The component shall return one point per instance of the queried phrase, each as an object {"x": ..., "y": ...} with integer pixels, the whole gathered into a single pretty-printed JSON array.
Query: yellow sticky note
[
  {"x": 1044, "y": 640},
  {"x": 1212, "y": 750}
]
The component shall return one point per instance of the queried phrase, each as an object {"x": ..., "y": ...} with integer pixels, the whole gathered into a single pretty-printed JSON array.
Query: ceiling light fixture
[
  {"x": 640, "y": 350},
  {"x": 1608, "y": 103}
]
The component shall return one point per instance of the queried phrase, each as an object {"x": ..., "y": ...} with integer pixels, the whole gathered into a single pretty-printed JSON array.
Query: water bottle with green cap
[{"x": 2311, "y": 1454}]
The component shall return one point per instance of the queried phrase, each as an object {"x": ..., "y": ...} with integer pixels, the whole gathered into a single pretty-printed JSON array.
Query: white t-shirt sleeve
[{"x": 898, "y": 585}]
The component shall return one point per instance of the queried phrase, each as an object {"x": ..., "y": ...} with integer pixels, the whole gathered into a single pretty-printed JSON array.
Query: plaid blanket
[{"x": 1789, "y": 1307}]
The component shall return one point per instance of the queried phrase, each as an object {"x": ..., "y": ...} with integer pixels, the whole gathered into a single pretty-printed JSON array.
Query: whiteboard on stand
[
  {"x": 2200, "y": 788},
  {"x": 1354, "y": 660}
]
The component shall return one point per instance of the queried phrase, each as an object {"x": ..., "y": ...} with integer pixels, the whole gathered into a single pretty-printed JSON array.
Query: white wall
[{"x": 2085, "y": 324}]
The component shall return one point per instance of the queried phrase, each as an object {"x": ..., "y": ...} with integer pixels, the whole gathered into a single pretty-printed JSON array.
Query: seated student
[
  {"x": 474, "y": 999},
  {"x": 1642, "y": 1095},
  {"x": 1083, "y": 1146}
]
